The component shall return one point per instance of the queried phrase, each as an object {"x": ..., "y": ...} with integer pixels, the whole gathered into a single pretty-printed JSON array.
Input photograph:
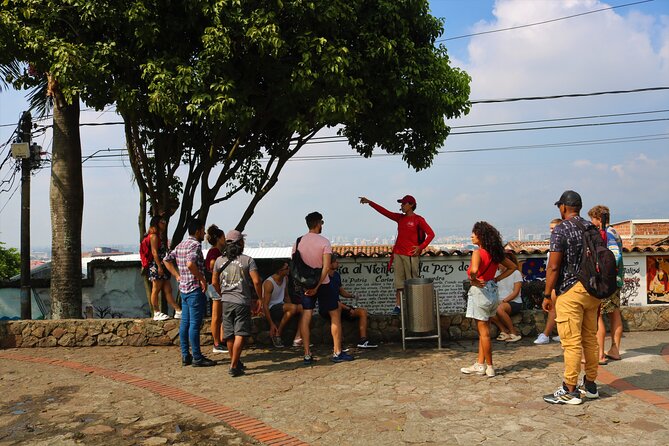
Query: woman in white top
[{"x": 510, "y": 302}]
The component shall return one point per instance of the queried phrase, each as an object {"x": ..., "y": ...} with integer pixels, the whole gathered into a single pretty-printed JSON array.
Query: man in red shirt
[{"x": 413, "y": 236}]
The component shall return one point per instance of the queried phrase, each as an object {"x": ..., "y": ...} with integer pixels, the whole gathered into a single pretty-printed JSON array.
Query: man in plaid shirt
[{"x": 190, "y": 274}]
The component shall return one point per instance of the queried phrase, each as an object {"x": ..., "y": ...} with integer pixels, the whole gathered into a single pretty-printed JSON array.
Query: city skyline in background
[{"x": 507, "y": 162}]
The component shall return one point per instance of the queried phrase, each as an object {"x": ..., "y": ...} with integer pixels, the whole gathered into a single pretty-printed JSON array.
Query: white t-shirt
[{"x": 505, "y": 286}]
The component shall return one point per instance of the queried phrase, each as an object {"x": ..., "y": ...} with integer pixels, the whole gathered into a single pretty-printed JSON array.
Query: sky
[{"x": 509, "y": 178}]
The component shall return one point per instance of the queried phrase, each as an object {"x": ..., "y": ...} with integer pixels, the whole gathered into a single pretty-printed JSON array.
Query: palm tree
[{"x": 66, "y": 191}]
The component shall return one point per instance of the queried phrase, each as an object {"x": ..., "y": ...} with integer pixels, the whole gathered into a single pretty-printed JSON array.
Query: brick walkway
[{"x": 387, "y": 396}]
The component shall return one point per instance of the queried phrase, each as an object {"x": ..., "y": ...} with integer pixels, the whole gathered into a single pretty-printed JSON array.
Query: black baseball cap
[{"x": 570, "y": 198}]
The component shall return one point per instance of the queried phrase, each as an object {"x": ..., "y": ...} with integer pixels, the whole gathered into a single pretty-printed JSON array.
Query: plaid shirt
[{"x": 190, "y": 250}]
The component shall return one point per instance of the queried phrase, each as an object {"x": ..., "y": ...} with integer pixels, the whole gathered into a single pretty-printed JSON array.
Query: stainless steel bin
[{"x": 420, "y": 305}]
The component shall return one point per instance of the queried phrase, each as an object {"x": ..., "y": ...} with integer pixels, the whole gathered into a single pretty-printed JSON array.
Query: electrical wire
[
  {"x": 540, "y": 23},
  {"x": 10, "y": 198},
  {"x": 570, "y": 95}
]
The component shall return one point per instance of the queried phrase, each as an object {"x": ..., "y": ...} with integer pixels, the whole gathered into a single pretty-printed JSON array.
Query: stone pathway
[{"x": 386, "y": 396}]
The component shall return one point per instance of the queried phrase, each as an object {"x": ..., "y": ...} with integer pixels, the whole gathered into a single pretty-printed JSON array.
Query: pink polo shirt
[{"x": 312, "y": 247}]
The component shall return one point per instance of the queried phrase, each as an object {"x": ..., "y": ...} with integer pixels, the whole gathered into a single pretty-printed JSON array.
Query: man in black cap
[
  {"x": 576, "y": 308},
  {"x": 413, "y": 236}
]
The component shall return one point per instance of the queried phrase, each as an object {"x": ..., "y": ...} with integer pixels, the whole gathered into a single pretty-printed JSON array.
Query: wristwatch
[{"x": 547, "y": 296}]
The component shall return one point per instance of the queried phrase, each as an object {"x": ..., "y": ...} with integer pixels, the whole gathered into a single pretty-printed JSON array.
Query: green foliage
[
  {"x": 10, "y": 262},
  {"x": 232, "y": 89}
]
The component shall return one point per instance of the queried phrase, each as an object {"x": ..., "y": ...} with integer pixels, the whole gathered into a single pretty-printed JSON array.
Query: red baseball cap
[{"x": 407, "y": 199}]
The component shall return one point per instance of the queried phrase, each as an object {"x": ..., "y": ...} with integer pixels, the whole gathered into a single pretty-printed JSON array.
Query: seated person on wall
[
  {"x": 276, "y": 304},
  {"x": 510, "y": 302},
  {"x": 348, "y": 312}
]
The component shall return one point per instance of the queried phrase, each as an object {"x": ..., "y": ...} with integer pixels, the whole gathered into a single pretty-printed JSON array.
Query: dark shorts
[
  {"x": 236, "y": 320},
  {"x": 153, "y": 272},
  {"x": 327, "y": 299},
  {"x": 516, "y": 308},
  {"x": 276, "y": 312},
  {"x": 346, "y": 313}
]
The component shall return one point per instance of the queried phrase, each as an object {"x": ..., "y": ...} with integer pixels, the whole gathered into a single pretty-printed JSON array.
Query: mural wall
[{"x": 657, "y": 279}]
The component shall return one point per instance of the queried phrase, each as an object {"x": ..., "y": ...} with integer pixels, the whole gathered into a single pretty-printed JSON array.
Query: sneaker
[
  {"x": 203, "y": 362},
  {"x": 299, "y": 343},
  {"x": 177, "y": 314},
  {"x": 308, "y": 359},
  {"x": 219, "y": 349},
  {"x": 503, "y": 336},
  {"x": 158, "y": 316},
  {"x": 564, "y": 396},
  {"x": 235, "y": 372},
  {"x": 278, "y": 343},
  {"x": 556, "y": 338},
  {"x": 341, "y": 357},
  {"x": 186, "y": 360},
  {"x": 588, "y": 389},
  {"x": 542, "y": 339},
  {"x": 514, "y": 338},
  {"x": 241, "y": 365},
  {"x": 477, "y": 368},
  {"x": 489, "y": 371},
  {"x": 364, "y": 343},
  {"x": 396, "y": 311}
]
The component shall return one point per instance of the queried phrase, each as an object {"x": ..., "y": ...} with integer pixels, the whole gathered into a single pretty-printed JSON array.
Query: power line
[
  {"x": 565, "y": 144},
  {"x": 574, "y": 118},
  {"x": 571, "y": 95},
  {"x": 540, "y": 23},
  {"x": 10, "y": 198}
]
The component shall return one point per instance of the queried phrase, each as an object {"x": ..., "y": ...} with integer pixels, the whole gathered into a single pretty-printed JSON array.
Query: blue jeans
[{"x": 193, "y": 308}]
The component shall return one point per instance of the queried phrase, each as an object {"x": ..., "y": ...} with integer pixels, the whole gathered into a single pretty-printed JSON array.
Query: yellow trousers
[{"x": 577, "y": 326}]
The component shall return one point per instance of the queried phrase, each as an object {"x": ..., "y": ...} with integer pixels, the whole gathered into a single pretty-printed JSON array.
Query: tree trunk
[{"x": 67, "y": 202}]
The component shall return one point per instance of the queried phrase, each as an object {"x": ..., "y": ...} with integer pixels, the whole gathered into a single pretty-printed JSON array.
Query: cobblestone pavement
[{"x": 385, "y": 396}]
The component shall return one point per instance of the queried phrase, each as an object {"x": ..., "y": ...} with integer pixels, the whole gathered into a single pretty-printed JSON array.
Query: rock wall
[{"x": 143, "y": 332}]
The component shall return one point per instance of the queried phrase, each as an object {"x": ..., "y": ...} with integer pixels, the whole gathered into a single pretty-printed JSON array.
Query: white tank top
[{"x": 278, "y": 291}]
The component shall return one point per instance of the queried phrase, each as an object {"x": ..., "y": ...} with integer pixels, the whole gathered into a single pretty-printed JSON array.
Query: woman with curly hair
[{"x": 483, "y": 297}]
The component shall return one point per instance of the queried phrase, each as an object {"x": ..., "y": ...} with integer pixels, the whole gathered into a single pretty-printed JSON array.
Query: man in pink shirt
[
  {"x": 413, "y": 236},
  {"x": 316, "y": 252}
]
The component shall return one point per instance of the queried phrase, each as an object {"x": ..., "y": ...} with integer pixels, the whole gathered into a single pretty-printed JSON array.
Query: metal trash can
[{"x": 420, "y": 307}]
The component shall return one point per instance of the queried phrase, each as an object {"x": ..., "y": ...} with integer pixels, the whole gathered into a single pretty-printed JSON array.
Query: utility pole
[{"x": 25, "y": 132}]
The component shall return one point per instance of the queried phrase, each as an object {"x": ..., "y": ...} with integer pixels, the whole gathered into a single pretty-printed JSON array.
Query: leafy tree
[
  {"x": 234, "y": 89},
  {"x": 10, "y": 262}
]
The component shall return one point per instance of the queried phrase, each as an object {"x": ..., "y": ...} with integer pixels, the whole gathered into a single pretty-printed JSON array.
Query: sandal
[
  {"x": 612, "y": 358},
  {"x": 503, "y": 336}
]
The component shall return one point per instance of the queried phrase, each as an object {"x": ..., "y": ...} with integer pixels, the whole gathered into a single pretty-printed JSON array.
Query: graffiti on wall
[
  {"x": 632, "y": 293},
  {"x": 657, "y": 279},
  {"x": 372, "y": 281}
]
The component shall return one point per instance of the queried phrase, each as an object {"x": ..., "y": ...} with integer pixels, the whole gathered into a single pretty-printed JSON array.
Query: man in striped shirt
[{"x": 189, "y": 272}]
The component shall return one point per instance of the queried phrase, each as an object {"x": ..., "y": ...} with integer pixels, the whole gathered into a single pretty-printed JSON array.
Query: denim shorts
[{"x": 482, "y": 302}]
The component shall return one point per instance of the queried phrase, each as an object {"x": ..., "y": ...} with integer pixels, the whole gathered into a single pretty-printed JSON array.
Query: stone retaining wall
[{"x": 142, "y": 332}]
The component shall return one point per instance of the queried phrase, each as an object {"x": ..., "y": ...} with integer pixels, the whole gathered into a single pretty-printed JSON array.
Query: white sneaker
[
  {"x": 177, "y": 314},
  {"x": 514, "y": 338},
  {"x": 219, "y": 349},
  {"x": 489, "y": 371},
  {"x": 556, "y": 338},
  {"x": 158, "y": 316},
  {"x": 476, "y": 368},
  {"x": 542, "y": 339}
]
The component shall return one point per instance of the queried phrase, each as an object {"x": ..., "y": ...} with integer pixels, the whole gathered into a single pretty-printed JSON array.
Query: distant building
[{"x": 104, "y": 251}]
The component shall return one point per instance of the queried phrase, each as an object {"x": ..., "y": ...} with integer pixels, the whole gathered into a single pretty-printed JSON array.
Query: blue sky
[{"x": 624, "y": 166}]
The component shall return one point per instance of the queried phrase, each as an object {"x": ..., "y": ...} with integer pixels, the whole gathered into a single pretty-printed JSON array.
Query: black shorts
[
  {"x": 236, "y": 320},
  {"x": 276, "y": 312},
  {"x": 516, "y": 307},
  {"x": 346, "y": 313}
]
